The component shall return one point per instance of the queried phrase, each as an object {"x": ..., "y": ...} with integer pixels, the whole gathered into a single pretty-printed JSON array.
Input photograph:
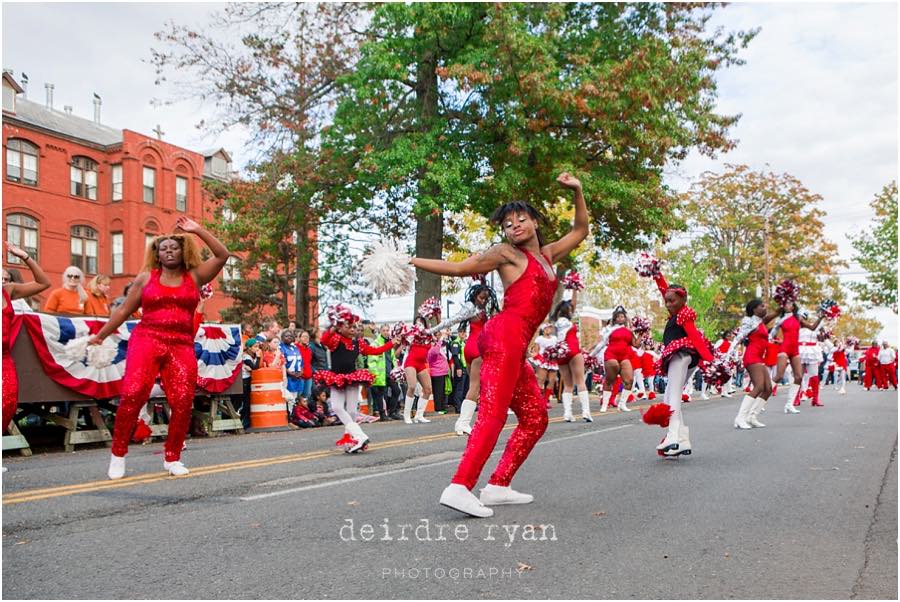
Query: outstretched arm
[
  {"x": 131, "y": 304},
  {"x": 207, "y": 270},
  {"x": 580, "y": 229},
  {"x": 482, "y": 263},
  {"x": 27, "y": 289},
  {"x": 812, "y": 325},
  {"x": 467, "y": 312}
]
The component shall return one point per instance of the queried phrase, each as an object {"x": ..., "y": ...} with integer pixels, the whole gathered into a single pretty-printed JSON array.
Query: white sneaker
[
  {"x": 494, "y": 495},
  {"x": 568, "y": 418},
  {"x": 669, "y": 443},
  {"x": 704, "y": 396},
  {"x": 116, "y": 467},
  {"x": 586, "y": 416},
  {"x": 421, "y": 420},
  {"x": 176, "y": 469},
  {"x": 461, "y": 499},
  {"x": 684, "y": 444}
]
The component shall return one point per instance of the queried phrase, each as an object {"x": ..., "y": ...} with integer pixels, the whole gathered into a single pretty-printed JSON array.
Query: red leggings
[
  {"x": 172, "y": 358},
  {"x": 10, "y": 391},
  {"x": 507, "y": 381}
]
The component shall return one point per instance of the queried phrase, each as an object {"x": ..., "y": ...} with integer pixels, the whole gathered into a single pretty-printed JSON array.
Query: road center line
[{"x": 253, "y": 498}]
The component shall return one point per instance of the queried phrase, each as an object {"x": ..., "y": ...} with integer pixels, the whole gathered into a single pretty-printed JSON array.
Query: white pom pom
[
  {"x": 102, "y": 355},
  {"x": 76, "y": 349},
  {"x": 387, "y": 270}
]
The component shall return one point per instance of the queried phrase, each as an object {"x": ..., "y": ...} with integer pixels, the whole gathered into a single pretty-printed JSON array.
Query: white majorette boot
[
  {"x": 789, "y": 402},
  {"x": 567, "y": 407},
  {"x": 607, "y": 395},
  {"x": 362, "y": 439},
  {"x": 585, "y": 406},
  {"x": 623, "y": 403},
  {"x": 176, "y": 468},
  {"x": 420, "y": 411},
  {"x": 740, "y": 421},
  {"x": 407, "y": 410},
  {"x": 494, "y": 495},
  {"x": 464, "y": 422},
  {"x": 755, "y": 409},
  {"x": 116, "y": 467},
  {"x": 684, "y": 443},
  {"x": 670, "y": 443},
  {"x": 459, "y": 498}
]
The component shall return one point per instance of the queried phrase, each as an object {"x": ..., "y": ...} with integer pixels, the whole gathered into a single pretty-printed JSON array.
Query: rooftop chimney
[
  {"x": 68, "y": 109},
  {"x": 49, "y": 88},
  {"x": 25, "y": 85},
  {"x": 97, "y": 103}
]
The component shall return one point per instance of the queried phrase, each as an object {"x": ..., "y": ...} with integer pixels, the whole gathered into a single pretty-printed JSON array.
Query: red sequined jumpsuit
[
  {"x": 507, "y": 381},
  {"x": 10, "y": 378},
  {"x": 161, "y": 344}
]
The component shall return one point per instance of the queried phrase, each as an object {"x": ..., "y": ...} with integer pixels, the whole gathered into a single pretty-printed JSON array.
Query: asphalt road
[{"x": 805, "y": 508}]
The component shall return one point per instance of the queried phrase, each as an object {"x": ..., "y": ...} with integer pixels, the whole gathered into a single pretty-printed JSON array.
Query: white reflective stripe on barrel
[
  {"x": 267, "y": 407},
  {"x": 266, "y": 387}
]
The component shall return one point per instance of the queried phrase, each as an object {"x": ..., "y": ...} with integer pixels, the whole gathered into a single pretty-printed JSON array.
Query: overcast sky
[{"x": 818, "y": 94}]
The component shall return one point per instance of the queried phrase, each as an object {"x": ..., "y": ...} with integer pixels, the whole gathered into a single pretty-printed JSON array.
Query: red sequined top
[
  {"x": 169, "y": 309},
  {"x": 791, "y": 331},
  {"x": 8, "y": 314}
]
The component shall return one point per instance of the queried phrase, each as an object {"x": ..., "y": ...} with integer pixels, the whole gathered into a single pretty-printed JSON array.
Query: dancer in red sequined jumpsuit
[
  {"x": 525, "y": 266},
  {"x": 167, "y": 290},
  {"x": 789, "y": 325},
  {"x": 12, "y": 291}
]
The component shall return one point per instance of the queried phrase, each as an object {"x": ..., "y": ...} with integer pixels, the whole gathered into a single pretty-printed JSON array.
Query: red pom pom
[
  {"x": 430, "y": 308},
  {"x": 786, "y": 291},
  {"x": 141, "y": 432},
  {"x": 573, "y": 281},
  {"x": 658, "y": 414},
  {"x": 647, "y": 265},
  {"x": 639, "y": 324}
]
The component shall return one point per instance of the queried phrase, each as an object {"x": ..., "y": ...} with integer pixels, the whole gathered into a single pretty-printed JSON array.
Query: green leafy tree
[
  {"x": 472, "y": 105},
  {"x": 753, "y": 229},
  {"x": 876, "y": 251}
]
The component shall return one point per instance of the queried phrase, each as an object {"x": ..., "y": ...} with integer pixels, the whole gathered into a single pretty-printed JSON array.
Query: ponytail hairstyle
[
  {"x": 519, "y": 207},
  {"x": 563, "y": 307},
  {"x": 751, "y": 306}
]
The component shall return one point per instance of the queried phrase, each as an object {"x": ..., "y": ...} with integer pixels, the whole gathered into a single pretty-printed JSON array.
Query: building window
[
  {"x": 232, "y": 270},
  {"x": 181, "y": 191},
  {"x": 84, "y": 248},
  {"x": 149, "y": 185},
  {"x": 148, "y": 240},
  {"x": 117, "y": 184},
  {"x": 84, "y": 178},
  {"x": 22, "y": 231},
  {"x": 21, "y": 161},
  {"x": 117, "y": 240}
]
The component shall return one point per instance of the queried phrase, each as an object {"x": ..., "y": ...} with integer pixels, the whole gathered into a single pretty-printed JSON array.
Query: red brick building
[{"x": 77, "y": 192}]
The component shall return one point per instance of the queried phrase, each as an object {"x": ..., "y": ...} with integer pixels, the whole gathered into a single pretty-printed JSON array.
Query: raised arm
[
  {"x": 482, "y": 263},
  {"x": 207, "y": 270},
  {"x": 27, "y": 289},
  {"x": 812, "y": 325},
  {"x": 580, "y": 228},
  {"x": 467, "y": 312},
  {"x": 131, "y": 304}
]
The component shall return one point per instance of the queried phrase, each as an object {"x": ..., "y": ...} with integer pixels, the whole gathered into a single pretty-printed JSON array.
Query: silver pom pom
[{"x": 387, "y": 270}]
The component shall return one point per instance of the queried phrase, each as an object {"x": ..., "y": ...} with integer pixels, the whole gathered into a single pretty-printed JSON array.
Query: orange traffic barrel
[{"x": 267, "y": 406}]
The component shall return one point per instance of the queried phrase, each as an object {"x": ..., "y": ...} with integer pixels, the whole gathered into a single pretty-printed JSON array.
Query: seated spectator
[
  {"x": 97, "y": 303},
  {"x": 71, "y": 298},
  {"x": 322, "y": 410}
]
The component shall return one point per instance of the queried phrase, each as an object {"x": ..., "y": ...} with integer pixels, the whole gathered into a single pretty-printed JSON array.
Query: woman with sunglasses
[
  {"x": 71, "y": 298},
  {"x": 168, "y": 290},
  {"x": 13, "y": 290}
]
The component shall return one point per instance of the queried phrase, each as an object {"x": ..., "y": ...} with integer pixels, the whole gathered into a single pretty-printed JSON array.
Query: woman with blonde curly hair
[
  {"x": 97, "y": 303},
  {"x": 168, "y": 290}
]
